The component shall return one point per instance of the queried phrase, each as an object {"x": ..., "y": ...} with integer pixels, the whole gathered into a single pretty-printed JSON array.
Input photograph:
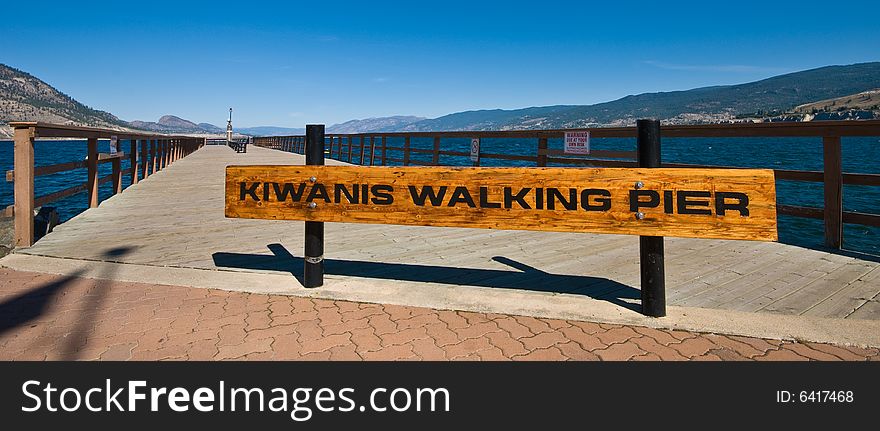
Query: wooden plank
[
  {"x": 861, "y": 218},
  {"x": 52, "y": 197},
  {"x": 507, "y": 157},
  {"x": 49, "y": 169},
  {"x": 455, "y": 153},
  {"x": 862, "y": 179},
  {"x": 674, "y": 202},
  {"x": 821, "y": 289},
  {"x": 833, "y": 191},
  {"x": 592, "y": 162},
  {"x": 593, "y": 153},
  {"x": 800, "y": 211},
  {"x": 850, "y": 298},
  {"x": 792, "y": 175}
]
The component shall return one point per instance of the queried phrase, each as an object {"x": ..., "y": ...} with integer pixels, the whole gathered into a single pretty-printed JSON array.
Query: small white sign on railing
[
  {"x": 577, "y": 142},
  {"x": 475, "y": 150},
  {"x": 114, "y": 145}
]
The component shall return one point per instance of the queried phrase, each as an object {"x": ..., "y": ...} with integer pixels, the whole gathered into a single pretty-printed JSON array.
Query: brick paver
[{"x": 51, "y": 317}]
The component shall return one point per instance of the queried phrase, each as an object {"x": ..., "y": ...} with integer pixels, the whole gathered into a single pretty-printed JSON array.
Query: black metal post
[
  {"x": 653, "y": 272},
  {"x": 313, "y": 273}
]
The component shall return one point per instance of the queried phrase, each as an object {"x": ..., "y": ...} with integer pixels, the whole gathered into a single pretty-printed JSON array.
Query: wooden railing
[
  {"x": 371, "y": 149},
  {"x": 239, "y": 145},
  {"x": 156, "y": 153}
]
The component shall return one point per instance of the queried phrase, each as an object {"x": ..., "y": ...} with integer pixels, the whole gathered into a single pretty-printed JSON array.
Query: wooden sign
[{"x": 698, "y": 203}]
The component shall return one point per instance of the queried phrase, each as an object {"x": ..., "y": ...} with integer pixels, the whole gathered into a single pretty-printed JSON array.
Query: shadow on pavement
[
  {"x": 79, "y": 335},
  {"x": 524, "y": 277},
  {"x": 20, "y": 310}
]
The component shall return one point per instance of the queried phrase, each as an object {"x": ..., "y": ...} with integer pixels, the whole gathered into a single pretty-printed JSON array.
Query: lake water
[{"x": 860, "y": 155}]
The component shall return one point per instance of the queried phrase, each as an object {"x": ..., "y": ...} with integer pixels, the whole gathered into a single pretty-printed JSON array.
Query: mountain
[
  {"x": 210, "y": 128},
  {"x": 26, "y": 98},
  {"x": 270, "y": 131},
  {"x": 866, "y": 100},
  {"x": 833, "y": 92},
  {"x": 379, "y": 124},
  {"x": 174, "y": 124},
  {"x": 777, "y": 94}
]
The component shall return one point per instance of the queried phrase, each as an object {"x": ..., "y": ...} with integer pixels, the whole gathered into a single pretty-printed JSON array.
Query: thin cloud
[
  {"x": 729, "y": 68},
  {"x": 380, "y": 80}
]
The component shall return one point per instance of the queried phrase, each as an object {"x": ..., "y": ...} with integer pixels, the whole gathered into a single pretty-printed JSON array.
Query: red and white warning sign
[{"x": 577, "y": 142}]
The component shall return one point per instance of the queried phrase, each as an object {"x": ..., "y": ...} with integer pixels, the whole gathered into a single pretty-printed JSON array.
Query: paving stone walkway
[{"x": 53, "y": 317}]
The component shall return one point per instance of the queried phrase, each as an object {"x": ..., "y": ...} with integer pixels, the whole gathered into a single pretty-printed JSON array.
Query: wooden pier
[{"x": 175, "y": 218}]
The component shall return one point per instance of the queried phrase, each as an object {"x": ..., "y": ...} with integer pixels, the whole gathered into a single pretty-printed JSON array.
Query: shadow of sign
[{"x": 523, "y": 277}]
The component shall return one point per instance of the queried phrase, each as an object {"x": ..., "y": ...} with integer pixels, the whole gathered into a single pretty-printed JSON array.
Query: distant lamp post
[{"x": 229, "y": 128}]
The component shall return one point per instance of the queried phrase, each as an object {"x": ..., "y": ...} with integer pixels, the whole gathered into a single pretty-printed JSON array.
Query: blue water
[
  {"x": 53, "y": 152},
  {"x": 860, "y": 155}
]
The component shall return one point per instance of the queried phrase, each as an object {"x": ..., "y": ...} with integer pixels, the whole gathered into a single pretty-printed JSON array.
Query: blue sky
[{"x": 291, "y": 63}]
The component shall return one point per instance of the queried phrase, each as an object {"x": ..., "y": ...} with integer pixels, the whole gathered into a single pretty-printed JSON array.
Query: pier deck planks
[{"x": 176, "y": 218}]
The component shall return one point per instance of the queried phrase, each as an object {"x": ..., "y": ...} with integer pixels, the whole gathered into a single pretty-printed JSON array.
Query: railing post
[
  {"x": 361, "y": 160},
  {"x": 133, "y": 161},
  {"x": 144, "y": 159},
  {"x": 313, "y": 272},
  {"x": 406, "y": 151},
  {"x": 116, "y": 162},
  {"x": 383, "y": 151},
  {"x": 436, "y": 154},
  {"x": 833, "y": 177},
  {"x": 372, "y": 149},
  {"x": 23, "y": 187},
  {"x": 651, "y": 256},
  {"x": 92, "y": 166},
  {"x": 542, "y": 148},
  {"x": 166, "y": 153},
  {"x": 349, "y": 149},
  {"x": 153, "y": 161}
]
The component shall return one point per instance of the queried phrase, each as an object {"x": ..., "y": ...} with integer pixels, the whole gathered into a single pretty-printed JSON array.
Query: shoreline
[{"x": 7, "y": 231}]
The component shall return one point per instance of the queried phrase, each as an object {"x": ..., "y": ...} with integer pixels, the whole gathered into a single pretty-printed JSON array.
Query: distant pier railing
[
  {"x": 156, "y": 153},
  {"x": 237, "y": 144},
  {"x": 372, "y": 149}
]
